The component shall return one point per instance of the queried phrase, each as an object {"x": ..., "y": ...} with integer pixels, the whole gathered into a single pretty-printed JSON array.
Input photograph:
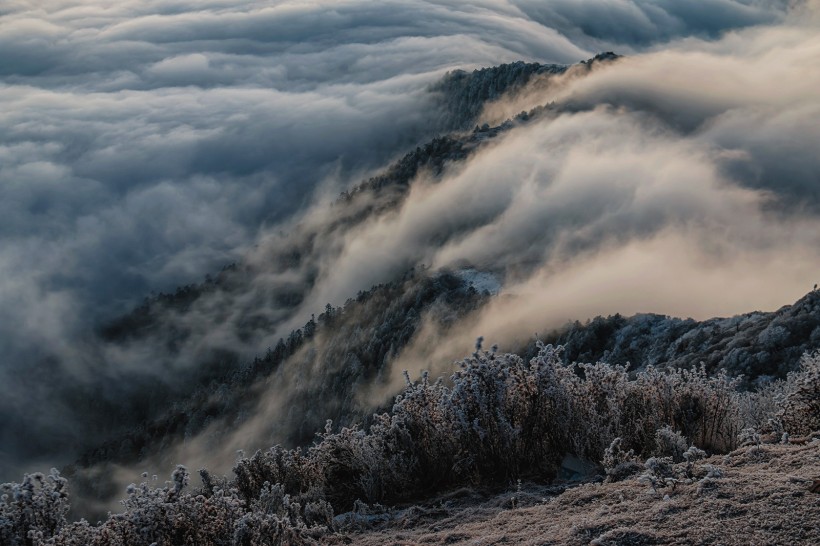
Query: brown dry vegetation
[{"x": 762, "y": 497}]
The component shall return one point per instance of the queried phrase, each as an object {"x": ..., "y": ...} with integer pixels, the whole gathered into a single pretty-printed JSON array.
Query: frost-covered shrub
[
  {"x": 598, "y": 397},
  {"x": 749, "y": 437},
  {"x": 274, "y": 519},
  {"x": 423, "y": 434},
  {"x": 510, "y": 415},
  {"x": 659, "y": 472},
  {"x": 693, "y": 454},
  {"x": 33, "y": 509},
  {"x": 703, "y": 407},
  {"x": 800, "y": 412},
  {"x": 619, "y": 464},
  {"x": 709, "y": 481},
  {"x": 164, "y": 515},
  {"x": 498, "y": 418},
  {"x": 606, "y": 403},
  {"x": 168, "y": 516},
  {"x": 615, "y": 455},
  {"x": 292, "y": 469},
  {"x": 353, "y": 465},
  {"x": 670, "y": 443},
  {"x": 319, "y": 514},
  {"x": 761, "y": 409}
]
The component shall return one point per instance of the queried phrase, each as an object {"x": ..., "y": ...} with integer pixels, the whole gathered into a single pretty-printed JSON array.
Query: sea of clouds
[{"x": 145, "y": 144}]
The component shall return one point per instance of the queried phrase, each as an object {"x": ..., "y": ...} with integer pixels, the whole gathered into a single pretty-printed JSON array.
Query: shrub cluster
[
  {"x": 800, "y": 413},
  {"x": 497, "y": 419}
]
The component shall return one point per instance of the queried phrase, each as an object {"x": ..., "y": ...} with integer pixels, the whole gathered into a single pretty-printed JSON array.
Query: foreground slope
[
  {"x": 757, "y": 496},
  {"x": 501, "y": 420}
]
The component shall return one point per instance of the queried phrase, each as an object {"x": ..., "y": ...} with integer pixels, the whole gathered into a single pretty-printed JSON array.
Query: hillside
[
  {"x": 755, "y": 345},
  {"x": 356, "y": 343},
  {"x": 766, "y": 495},
  {"x": 501, "y": 421}
]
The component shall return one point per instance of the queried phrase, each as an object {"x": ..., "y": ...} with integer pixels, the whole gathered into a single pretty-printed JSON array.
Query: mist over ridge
[{"x": 144, "y": 146}]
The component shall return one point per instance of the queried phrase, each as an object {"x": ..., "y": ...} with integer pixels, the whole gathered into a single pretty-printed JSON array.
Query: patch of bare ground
[{"x": 754, "y": 495}]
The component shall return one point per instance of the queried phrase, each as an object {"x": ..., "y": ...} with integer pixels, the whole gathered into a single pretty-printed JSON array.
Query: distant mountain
[
  {"x": 756, "y": 345},
  {"x": 343, "y": 348},
  {"x": 465, "y": 94}
]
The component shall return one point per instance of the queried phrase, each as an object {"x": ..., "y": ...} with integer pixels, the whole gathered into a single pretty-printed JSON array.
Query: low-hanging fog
[{"x": 146, "y": 144}]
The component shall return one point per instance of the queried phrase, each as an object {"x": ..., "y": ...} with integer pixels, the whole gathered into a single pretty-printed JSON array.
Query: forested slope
[
  {"x": 202, "y": 335},
  {"x": 755, "y": 345}
]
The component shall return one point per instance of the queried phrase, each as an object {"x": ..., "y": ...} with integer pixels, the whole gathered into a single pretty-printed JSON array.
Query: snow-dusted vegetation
[
  {"x": 496, "y": 420},
  {"x": 754, "y": 346}
]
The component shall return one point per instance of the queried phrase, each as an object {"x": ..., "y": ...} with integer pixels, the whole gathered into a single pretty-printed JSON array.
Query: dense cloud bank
[{"x": 145, "y": 144}]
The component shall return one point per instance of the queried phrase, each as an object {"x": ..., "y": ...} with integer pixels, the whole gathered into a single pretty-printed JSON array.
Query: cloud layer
[
  {"x": 144, "y": 144},
  {"x": 680, "y": 181}
]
